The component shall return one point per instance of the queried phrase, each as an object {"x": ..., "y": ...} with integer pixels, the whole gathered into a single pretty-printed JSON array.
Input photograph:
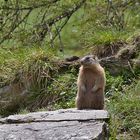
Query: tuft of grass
[
  {"x": 13, "y": 59},
  {"x": 42, "y": 81},
  {"x": 23, "y": 111}
]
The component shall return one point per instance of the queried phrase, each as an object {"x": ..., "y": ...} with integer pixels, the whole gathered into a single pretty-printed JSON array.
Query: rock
[
  {"x": 58, "y": 115},
  {"x": 62, "y": 124}
]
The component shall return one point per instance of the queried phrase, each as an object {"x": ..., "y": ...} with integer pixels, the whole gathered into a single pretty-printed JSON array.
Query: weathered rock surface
[{"x": 69, "y": 124}]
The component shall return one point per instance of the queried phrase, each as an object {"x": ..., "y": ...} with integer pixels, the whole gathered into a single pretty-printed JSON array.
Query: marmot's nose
[{"x": 82, "y": 61}]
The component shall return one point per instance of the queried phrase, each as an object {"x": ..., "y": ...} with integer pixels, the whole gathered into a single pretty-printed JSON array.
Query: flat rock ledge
[{"x": 64, "y": 124}]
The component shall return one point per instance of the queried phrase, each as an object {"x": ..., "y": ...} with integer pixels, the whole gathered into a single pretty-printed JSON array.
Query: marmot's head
[{"x": 89, "y": 60}]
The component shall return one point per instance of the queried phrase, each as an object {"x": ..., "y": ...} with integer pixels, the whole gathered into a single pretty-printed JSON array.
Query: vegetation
[
  {"x": 124, "y": 109},
  {"x": 36, "y": 37}
]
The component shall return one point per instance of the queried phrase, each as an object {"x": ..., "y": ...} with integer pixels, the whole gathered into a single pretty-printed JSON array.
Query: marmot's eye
[{"x": 88, "y": 58}]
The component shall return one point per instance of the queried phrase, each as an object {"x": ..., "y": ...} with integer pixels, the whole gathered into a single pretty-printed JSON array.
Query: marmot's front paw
[{"x": 94, "y": 89}]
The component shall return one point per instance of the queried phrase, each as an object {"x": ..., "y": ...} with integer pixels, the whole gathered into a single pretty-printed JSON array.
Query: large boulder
[{"x": 69, "y": 124}]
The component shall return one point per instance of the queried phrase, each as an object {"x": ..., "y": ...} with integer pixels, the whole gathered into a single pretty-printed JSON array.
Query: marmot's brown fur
[{"x": 91, "y": 84}]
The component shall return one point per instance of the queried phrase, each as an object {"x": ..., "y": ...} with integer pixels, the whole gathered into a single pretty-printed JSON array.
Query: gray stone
[
  {"x": 70, "y": 124},
  {"x": 58, "y": 115}
]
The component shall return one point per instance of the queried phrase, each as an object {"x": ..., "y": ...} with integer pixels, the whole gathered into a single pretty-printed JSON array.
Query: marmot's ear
[{"x": 92, "y": 56}]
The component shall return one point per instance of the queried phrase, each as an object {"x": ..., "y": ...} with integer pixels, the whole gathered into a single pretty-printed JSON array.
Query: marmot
[{"x": 91, "y": 84}]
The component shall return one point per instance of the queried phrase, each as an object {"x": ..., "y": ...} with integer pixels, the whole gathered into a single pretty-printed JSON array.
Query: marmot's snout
[
  {"x": 82, "y": 62},
  {"x": 85, "y": 60}
]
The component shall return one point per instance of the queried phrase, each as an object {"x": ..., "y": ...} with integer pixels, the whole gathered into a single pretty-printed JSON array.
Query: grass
[
  {"x": 15, "y": 58},
  {"x": 124, "y": 107},
  {"x": 45, "y": 83}
]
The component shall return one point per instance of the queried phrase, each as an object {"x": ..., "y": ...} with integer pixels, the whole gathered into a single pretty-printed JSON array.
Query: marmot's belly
[{"x": 89, "y": 86}]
